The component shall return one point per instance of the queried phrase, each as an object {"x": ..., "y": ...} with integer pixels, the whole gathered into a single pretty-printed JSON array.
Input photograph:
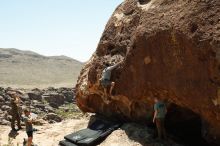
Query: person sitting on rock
[
  {"x": 105, "y": 80},
  {"x": 29, "y": 127},
  {"x": 160, "y": 112},
  {"x": 15, "y": 103}
]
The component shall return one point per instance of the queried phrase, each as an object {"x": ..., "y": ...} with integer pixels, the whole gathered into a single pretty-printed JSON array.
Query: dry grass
[{"x": 69, "y": 111}]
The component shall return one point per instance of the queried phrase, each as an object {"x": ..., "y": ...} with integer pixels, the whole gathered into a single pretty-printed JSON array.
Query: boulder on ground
[
  {"x": 40, "y": 106},
  {"x": 50, "y": 89},
  {"x": 169, "y": 49},
  {"x": 69, "y": 96},
  {"x": 25, "y": 97},
  {"x": 35, "y": 94},
  {"x": 2, "y": 99},
  {"x": 2, "y": 91},
  {"x": 49, "y": 109},
  {"x": 54, "y": 98},
  {"x": 4, "y": 122},
  {"x": 52, "y": 117},
  {"x": 5, "y": 108}
]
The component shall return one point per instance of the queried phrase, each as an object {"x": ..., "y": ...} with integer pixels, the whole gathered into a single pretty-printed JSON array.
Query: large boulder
[
  {"x": 169, "y": 49},
  {"x": 35, "y": 94},
  {"x": 54, "y": 99},
  {"x": 68, "y": 93}
]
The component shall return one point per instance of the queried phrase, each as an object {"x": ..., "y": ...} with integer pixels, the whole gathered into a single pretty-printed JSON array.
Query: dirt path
[
  {"x": 51, "y": 134},
  {"x": 48, "y": 135}
]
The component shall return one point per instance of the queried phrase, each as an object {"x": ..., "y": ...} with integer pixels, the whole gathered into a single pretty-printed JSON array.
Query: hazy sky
[{"x": 54, "y": 27}]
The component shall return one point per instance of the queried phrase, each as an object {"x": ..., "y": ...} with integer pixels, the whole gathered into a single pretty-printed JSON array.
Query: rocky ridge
[{"x": 35, "y": 70}]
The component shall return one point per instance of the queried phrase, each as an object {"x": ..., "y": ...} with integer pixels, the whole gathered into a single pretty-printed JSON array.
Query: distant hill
[{"x": 26, "y": 69}]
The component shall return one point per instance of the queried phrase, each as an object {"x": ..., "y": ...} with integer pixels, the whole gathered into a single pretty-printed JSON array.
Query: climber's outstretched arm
[{"x": 114, "y": 66}]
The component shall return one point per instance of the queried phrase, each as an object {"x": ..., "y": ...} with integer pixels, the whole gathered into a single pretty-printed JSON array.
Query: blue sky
[{"x": 55, "y": 27}]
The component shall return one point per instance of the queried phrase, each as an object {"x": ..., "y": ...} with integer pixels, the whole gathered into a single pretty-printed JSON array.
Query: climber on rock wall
[
  {"x": 105, "y": 80},
  {"x": 160, "y": 112}
]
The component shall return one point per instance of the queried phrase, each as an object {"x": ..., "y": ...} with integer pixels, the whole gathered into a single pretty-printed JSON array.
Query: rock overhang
[{"x": 170, "y": 49}]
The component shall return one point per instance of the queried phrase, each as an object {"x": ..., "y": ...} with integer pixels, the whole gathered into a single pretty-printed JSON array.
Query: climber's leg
[
  {"x": 105, "y": 92},
  {"x": 105, "y": 84},
  {"x": 112, "y": 87}
]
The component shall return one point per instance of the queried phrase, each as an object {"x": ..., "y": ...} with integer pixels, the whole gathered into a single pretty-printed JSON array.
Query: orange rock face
[{"x": 169, "y": 49}]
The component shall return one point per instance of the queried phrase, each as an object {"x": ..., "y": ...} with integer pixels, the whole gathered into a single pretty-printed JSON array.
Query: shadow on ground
[
  {"x": 13, "y": 134},
  {"x": 144, "y": 135}
]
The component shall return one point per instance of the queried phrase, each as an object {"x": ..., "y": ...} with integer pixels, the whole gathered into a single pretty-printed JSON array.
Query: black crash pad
[
  {"x": 96, "y": 132},
  {"x": 66, "y": 143}
]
